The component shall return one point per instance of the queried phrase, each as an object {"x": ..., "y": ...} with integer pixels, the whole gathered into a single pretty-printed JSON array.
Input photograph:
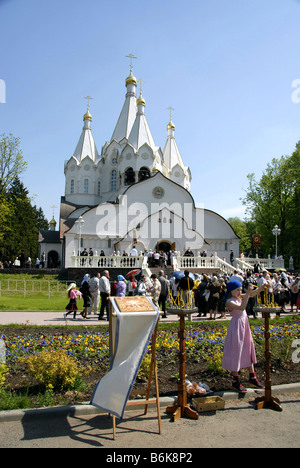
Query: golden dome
[
  {"x": 52, "y": 222},
  {"x": 87, "y": 116},
  {"x": 170, "y": 125},
  {"x": 131, "y": 79},
  {"x": 141, "y": 100}
]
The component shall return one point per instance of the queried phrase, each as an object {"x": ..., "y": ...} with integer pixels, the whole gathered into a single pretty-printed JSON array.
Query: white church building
[{"x": 133, "y": 193}]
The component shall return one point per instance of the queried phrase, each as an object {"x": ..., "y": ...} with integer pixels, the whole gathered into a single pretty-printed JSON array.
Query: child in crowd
[{"x": 73, "y": 294}]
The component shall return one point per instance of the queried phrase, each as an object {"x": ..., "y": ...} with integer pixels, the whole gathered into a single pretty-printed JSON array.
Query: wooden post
[
  {"x": 182, "y": 409},
  {"x": 267, "y": 401}
]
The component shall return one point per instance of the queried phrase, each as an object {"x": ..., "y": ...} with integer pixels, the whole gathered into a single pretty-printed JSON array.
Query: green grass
[
  {"x": 36, "y": 296},
  {"x": 32, "y": 303}
]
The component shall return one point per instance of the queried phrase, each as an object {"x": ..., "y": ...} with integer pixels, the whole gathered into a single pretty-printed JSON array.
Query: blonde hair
[{"x": 72, "y": 286}]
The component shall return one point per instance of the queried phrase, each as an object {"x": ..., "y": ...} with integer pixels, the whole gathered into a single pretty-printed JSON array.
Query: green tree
[
  {"x": 12, "y": 163},
  {"x": 275, "y": 200},
  {"x": 25, "y": 228},
  {"x": 241, "y": 229}
]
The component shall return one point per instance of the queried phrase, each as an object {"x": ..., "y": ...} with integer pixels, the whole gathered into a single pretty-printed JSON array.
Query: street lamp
[
  {"x": 79, "y": 222},
  {"x": 276, "y": 232}
]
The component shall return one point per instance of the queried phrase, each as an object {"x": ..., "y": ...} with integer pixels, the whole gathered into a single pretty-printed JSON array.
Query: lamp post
[
  {"x": 276, "y": 232},
  {"x": 79, "y": 222}
]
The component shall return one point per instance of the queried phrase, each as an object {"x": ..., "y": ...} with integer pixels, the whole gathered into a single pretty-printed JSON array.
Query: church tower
[
  {"x": 177, "y": 171},
  {"x": 130, "y": 156},
  {"x": 83, "y": 185}
]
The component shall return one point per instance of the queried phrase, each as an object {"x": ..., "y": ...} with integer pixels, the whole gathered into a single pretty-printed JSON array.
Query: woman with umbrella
[{"x": 132, "y": 283}]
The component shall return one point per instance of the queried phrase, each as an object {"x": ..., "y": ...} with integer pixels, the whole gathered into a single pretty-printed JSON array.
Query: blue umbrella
[{"x": 180, "y": 274}]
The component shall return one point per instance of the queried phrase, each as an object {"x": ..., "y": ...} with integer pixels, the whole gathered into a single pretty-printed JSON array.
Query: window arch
[
  {"x": 72, "y": 186},
  {"x": 144, "y": 173},
  {"x": 86, "y": 186},
  {"x": 99, "y": 188},
  {"x": 129, "y": 178},
  {"x": 113, "y": 185}
]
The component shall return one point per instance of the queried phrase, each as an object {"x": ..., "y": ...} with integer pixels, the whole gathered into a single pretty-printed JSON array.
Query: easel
[
  {"x": 267, "y": 401},
  {"x": 152, "y": 371},
  {"x": 182, "y": 409}
]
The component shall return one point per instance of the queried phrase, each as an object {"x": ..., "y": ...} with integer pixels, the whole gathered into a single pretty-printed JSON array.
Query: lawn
[
  {"x": 32, "y": 292},
  {"x": 32, "y": 303}
]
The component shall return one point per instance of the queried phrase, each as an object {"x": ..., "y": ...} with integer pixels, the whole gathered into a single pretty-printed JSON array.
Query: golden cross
[
  {"x": 131, "y": 56},
  {"x": 88, "y": 98},
  {"x": 141, "y": 81},
  {"x": 170, "y": 109},
  {"x": 53, "y": 208}
]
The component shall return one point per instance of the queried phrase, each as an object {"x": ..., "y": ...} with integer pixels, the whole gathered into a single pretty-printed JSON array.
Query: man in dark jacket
[{"x": 165, "y": 284}]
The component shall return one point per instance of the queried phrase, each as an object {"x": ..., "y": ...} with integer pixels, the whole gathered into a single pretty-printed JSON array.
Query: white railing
[
  {"x": 243, "y": 265},
  {"x": 202, "y": 263},
  {"x": 266, "y": 263},
  {"x": 107, "y": 262}
]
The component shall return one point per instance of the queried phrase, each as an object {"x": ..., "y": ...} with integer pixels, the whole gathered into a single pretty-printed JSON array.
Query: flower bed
[
  {"x": 204, "y": 346},
  {"x": 90, "y": 344}
]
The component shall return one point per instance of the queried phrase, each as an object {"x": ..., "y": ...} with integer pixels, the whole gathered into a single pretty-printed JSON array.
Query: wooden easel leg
[
  {"x": 153, "y": 369},
  {"x": 157, "y": 399},
  {"x": 114, "y": 427}
]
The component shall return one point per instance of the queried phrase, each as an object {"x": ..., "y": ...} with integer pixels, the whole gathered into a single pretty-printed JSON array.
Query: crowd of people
[
  {"x": 21, "y": 261},
  {"x": 282, "y": 288},
  {"x": 96, "y": 291},
  {"x": 209, "y": 292}
]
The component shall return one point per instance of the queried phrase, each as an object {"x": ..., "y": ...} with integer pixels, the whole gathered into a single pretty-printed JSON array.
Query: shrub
[
  {"x": 214, "y": 361},
  {"x": 144, "y": 368},
  {"x": 3, "y": 373},
  {"x": 55, "y": 370}
]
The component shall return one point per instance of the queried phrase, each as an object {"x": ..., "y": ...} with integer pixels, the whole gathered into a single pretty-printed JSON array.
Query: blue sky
[{"x": 226, "y": 67}]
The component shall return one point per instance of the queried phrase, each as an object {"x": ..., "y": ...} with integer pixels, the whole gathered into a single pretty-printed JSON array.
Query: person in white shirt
[
  {"x": 237, "y": 277},
  {"x": 263, "y": 279},
  {"x": 104, "y": 288},
  {"x": 133, "y": 252},
  {"x": 295, "y": 288}
]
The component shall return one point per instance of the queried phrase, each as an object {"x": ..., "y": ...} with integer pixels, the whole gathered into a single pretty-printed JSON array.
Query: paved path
[
  {"x": 57, "y": 318},
  {"x": 239, "y": 425}
]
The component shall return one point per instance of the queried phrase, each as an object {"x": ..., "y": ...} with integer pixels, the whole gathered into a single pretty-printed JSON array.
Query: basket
[{"x": 211, "y": 403}]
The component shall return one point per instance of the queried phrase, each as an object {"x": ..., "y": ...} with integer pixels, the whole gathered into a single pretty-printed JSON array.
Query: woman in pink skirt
[{"x": 239, "y": 350}]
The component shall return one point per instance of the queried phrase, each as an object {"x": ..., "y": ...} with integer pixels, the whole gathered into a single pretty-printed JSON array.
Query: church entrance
[
  {"x": 53, "y": 260},
  {"x": 165, "y": 246}
]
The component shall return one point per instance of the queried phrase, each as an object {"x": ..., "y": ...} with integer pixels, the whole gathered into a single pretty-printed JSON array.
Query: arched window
[
  {"x": 144, "y": 174},
  {"x": 113, "y": 180},
  {"x": 99, "y": 188},
  {"x": 86, "y": 186},
  {"x": 129, "y": 178},
  {"x": 72, "y": 186}
]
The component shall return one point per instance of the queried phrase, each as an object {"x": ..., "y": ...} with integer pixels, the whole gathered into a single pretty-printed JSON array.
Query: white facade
[{"x": 135, "y": 193}]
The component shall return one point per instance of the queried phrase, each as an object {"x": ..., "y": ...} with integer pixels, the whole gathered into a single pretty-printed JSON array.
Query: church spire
[
  {"x": 128, "y": 112},
  {"x": 140, "y": 133},
  {"x": 86, "y": 145},
  {"x": 172, "y": 157},
  {"x": 171, "y": 152}
]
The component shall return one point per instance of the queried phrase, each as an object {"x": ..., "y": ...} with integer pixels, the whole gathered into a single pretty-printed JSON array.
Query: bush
[
  {"x": 144, "y": 370},
  {"x": 214, "y": 361},
  {"x": 3, "y": 373},
  {"x": 55, "y": 370}
]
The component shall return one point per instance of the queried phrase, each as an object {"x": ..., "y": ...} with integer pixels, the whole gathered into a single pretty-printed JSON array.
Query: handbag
[{"x": 206, "y": 295}]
